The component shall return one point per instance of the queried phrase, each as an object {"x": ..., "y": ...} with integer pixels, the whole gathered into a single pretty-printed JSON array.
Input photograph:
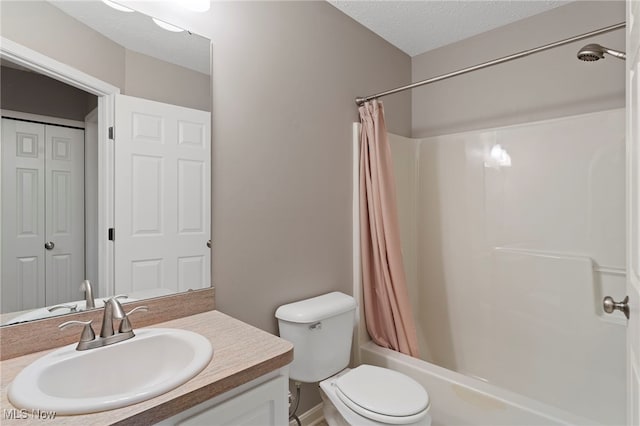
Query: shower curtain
[{"x": 386, "y": 302}]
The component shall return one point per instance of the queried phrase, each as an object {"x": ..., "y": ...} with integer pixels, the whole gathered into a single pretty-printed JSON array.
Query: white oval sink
[{"x": 153, "y": 362}]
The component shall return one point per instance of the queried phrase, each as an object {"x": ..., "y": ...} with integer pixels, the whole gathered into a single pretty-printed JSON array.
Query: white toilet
[{"x": 321, "y": 331}]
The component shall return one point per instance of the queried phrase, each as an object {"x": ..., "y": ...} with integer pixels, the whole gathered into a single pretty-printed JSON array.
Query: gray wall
[
  {"x": 541, "y": 86},
  {"x": 285, "y": 78},
  {"x": 44, "y": 28},
  {"x": 177, "y": 85},
  {"x": 23, "y": 91}
]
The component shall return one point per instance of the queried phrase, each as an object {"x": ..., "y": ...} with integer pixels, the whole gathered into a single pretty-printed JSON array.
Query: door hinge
[
  {"x": 112, "y": 234},
  {"x": 111, "y": 133}
]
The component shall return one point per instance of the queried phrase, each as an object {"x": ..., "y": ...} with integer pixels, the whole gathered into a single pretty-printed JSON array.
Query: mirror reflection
[{"x": 84, "y": 217}]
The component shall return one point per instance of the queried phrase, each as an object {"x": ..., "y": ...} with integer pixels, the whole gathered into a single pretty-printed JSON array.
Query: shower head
[{"x": 593, "y": 52}]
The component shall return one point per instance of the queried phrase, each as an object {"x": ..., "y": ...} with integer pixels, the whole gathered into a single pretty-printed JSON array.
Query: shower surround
[{"x": 511, "y": 238}]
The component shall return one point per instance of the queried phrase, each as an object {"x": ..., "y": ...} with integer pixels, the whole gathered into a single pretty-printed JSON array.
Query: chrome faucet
[
  {"x": 112, "y": 310},
  {"x": 88, "y": 294}
]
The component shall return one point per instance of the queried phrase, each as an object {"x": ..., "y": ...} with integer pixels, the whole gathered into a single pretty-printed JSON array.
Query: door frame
[{"x": 106, "y": 93}]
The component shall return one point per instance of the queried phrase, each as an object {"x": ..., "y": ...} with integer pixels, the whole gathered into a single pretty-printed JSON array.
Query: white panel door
[
  {"x": 64, "y": 218},
  {"x": 23, "y": 228},
  {"x": 633, "y": 211},
  {"x": 162, "y": 196}
]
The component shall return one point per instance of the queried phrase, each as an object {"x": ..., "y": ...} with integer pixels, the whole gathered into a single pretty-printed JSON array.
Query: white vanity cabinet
[{"x": 263, "y": 402}]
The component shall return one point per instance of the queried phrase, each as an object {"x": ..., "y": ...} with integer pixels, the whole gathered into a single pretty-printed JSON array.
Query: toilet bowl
[
  {"x": 321, "y": 330},
  {"x": 369, "y": 395}
]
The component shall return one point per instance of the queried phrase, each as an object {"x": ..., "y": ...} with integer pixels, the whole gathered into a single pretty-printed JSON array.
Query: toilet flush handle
[{"x": 316, "y": 326}]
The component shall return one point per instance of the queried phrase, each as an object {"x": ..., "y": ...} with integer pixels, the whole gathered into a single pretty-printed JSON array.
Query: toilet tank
[{"x": 321, "y": 330}]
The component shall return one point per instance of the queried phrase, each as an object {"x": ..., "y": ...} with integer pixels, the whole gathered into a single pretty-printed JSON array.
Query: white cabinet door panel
[{"x": 264, "y": 405}]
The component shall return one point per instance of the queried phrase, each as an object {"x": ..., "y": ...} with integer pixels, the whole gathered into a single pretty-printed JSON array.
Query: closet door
[
  {"x": 42, "y": 214},
  {"x": 23, "y": 223},
  {"x": 64, "y": 218}
]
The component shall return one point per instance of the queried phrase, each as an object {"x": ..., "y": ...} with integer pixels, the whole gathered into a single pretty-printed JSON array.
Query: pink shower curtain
[{"x": 386, "y": 301}]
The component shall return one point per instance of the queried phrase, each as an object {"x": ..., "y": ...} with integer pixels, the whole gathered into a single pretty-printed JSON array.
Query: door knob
[
  {"x": 209, "y": 243},
  {"x": 609, "y": 305},
  {"x": 49, "y": 245}
]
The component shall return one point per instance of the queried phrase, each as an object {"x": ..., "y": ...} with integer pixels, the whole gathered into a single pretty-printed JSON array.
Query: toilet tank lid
[{"x": 316, "y": 308}]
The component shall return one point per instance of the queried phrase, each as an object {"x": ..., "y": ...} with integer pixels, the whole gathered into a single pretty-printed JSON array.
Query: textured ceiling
[{"x": 418, "y": 26}]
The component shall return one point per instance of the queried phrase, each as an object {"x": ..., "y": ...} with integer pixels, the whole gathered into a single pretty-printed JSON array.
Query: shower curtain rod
[{"x": 362, "y": 100}]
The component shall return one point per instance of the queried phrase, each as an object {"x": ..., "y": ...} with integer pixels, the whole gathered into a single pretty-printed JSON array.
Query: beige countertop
[{"x": 241, "y": 354}]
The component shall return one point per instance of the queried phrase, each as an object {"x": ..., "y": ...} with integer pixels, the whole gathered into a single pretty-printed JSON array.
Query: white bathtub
[{"x": 457, "y": 399}]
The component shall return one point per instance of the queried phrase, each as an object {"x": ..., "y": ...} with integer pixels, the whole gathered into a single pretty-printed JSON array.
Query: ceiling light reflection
[
  {"x": 166, "y": 26},
  {"x": 117, "y": 6}
]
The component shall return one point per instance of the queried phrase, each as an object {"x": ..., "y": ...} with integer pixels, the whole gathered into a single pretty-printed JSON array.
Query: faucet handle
[
  {"x": 71, "y": 306},
  {"x": 87, "y": 332},
  {"x": 125, "y": 324}
]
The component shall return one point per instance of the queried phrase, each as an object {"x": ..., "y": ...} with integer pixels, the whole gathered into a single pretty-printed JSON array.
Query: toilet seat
[{"x": 382, "y": 395}]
